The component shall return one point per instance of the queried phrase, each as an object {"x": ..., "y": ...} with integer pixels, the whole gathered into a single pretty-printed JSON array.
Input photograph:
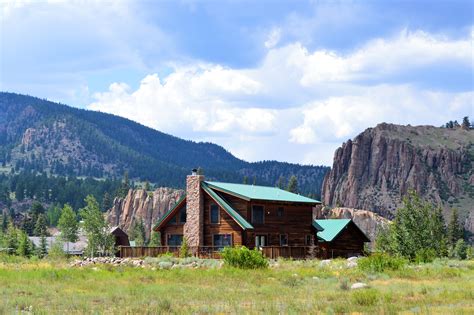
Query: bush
[
  {"x": 242, "y": 257},
  {"x": 426, "y": 255},
  {"x": 365, "y": 297},
  {"x": 379, "y": 262},
  {"x": 184, "y": 249},
  {"x": 460, "y": 249}
]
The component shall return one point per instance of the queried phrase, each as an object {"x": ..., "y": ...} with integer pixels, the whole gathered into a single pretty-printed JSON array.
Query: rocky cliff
[
  {"x": 369, "y": 222},
  {"x": 377, "y": 168},
  {"x": 138, "y": 204}
]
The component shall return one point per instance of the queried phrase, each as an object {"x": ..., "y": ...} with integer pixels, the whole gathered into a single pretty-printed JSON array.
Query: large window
[
  {"x": 257, "y": 214},
  {"x": 175, "y": 239},
  {"x": 214, "y": 214},
  {"x": 222, "y": 240},
  {"x": 283, "y": 240},
  {"x": 182, "y": 215}
]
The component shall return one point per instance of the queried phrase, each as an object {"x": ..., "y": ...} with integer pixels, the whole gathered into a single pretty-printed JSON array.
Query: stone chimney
[{"x": 194, "y": 226}]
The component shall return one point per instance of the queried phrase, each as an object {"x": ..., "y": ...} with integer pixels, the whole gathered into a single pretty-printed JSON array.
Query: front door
[{"x": 260, "y": 241}]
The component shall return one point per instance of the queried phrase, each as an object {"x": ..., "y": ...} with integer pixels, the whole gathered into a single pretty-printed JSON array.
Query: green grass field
[{"x": 49, "y": 287}]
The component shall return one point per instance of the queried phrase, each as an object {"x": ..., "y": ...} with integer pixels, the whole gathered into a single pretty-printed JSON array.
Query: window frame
[
  {"x": 218, "y": 213},
  {"x": 287, "y": 241},
  {"x": 168, "y": 237},
  {"x": 263, "y": 214},
  {"x": 220, "y": 234},
  {"x": 280, "y": 212}
]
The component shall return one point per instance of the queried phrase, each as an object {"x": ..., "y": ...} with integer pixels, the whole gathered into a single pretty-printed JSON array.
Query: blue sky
[{"x": 285, "y": 80}]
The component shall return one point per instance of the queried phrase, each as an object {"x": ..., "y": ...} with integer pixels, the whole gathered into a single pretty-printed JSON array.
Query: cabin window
[
  {"x": 309, "y": 240},
  {"x": 173, "y": 220},
  {"x": 283, "y": 240},
  {"x": 214, "y": 214},
  {"x": 257, "y": 214},
  {"x": 182, "y": 215},
  {"x": 175, "y": 239},
  {"x": 280, "y": 212},
  {"x": 222, "y": 240}
]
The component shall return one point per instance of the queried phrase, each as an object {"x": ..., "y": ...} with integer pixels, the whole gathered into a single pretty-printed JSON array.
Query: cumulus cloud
[
  {"x": 297, "y": 101},
  {"x": 273, "y": 38}
]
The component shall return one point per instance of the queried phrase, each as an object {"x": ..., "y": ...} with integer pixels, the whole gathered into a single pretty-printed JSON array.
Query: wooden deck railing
[{"x": 272, "y": 252}]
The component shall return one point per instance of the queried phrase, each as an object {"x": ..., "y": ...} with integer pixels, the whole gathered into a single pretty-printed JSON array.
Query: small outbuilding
[
  {"x": 120, "y": 237},
  {"x": 340, "y": 238}
]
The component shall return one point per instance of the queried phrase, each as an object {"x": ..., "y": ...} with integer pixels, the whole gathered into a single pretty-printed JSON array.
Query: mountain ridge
[{"x": 40, "y": 135}]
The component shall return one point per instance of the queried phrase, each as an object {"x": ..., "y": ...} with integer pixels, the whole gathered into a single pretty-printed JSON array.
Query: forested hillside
[{"x": 41, "y": 136}]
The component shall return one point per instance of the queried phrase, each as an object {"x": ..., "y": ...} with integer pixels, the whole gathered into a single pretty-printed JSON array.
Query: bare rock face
[
  {"x": 140, "y": 205},
  {"x": 369, "y": 222},
  {"x": 377, "y": 168}
]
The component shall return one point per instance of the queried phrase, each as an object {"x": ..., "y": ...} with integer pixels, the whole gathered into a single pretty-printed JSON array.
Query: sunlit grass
[{"x": 46, "y": 287}]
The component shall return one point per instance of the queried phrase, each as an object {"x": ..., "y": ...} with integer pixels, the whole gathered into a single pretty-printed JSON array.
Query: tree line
[{"x": 420, "y": 233}]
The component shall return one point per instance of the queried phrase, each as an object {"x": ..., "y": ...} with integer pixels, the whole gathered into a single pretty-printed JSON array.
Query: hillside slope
[
  {"x": 377, "y": 168},
  {"x": 48, "y": 137}
]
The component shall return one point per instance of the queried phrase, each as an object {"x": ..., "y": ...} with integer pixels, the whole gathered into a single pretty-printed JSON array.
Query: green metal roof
[
  {"x": 227, "y": 208},
  {"x": 254, "y": 192},
  {"x": 331, "y": 228}
]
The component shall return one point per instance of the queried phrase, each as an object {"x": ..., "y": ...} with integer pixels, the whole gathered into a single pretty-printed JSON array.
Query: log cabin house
[{"x": 214, "y": 215}]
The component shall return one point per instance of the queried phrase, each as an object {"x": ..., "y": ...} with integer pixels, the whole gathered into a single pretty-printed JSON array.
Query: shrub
[
  {"x": 184, "y": 249},
  {"x": 365, "y": 297},
  {"x": 460, "y": 249},
  {"x": 379, "y": 262},
  {"x": 425, "y": 255},
  {"x": 242, "y": 257}
]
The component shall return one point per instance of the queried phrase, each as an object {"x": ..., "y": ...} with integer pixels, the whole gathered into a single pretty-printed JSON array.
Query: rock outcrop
[
  {"x": 377, "y": 168},
  {"x": 369, "y": 222},
  {"x": 140, "y": 205}
]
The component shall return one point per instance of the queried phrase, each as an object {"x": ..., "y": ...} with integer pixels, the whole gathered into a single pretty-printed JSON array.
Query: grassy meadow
[{"x": 52, "y": 287}]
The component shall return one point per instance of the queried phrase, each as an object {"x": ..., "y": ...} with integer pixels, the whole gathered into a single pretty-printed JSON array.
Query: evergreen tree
[
  {"x": 281, "y": 182},
  {"x": 155, "y": 239},
  {"x": 42, "y": 250},
  {"x": 255, "y": 180},
  {"x": 68, "y": 226},
  {"x": 53, "y": 214},
  {"x": 100, "y": 241},
  {"x": 125, "y": 187},
  {"x": 11, "y": 238},
  {"x": 147, "y": 186},
  {"x": 106, "y": 202},
  {"x": 25, "y": 248},
  {"x": 4, "y": 222},
  {"x": 293, "y": 185},
  {"x": 40, "y": 226},
  {"x": 455, "y": 230},
  {"x": 246, "y": 180},
  {"x": 138, "y": 233},
  {"x": 466, "y": 125}
]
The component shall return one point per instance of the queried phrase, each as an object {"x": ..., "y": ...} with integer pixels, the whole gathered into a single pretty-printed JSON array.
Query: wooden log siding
[
  {"x": 348, "y": 243},
  {"x": 170, "y": 229},
  {"x": 226, "y": 224}
]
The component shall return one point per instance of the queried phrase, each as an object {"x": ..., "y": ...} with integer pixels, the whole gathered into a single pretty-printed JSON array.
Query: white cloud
[
  {"x": 297, "y": 102},
  {"x": 273, "y": 38}
]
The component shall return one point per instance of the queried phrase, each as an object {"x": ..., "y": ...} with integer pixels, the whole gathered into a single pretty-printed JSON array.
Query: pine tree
[
  {"x": 293, "y": 185},
  {"x": 281, "y": 182},
  {"x": 147, "y": 186},
  {"x": 25, "y": 247},
  {"x": 42, "y": 250},
  {"x": 106, "y": 202},
  {"x": 4, "y": 222},
  {"x": 138, "y": 233},
  {"x": 466, "y": 125},
  {"x": 40, "y": 226},
  {"x": 155, "y": 239},
  {"x": 246, "y": 180},
  {"x": 11, "y": 238},
  {"x": 68, "y": 226},
  {"x": 455, "y": 230}
]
